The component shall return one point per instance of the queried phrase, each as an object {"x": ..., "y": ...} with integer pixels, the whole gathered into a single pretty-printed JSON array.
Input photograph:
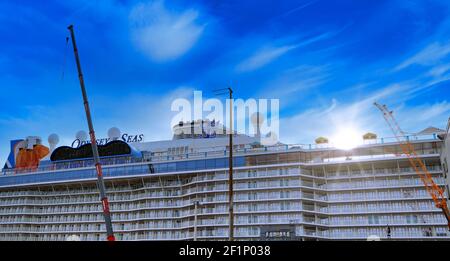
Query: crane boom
[
  {"x": 98, "y": 166},
  {"x": 436, "y": 193}
]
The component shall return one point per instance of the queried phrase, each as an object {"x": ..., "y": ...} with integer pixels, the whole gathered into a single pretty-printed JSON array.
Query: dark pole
[
  {"x": 98, "y": 167},
  {"x": 230, "y": 174}
]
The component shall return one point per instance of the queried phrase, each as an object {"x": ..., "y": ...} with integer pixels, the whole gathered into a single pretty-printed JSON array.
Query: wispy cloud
[
  {"x": 291, "y": 82},
  {"x": 270, "y": 53},
  {"x": 439, "y": 70},
  {"x": 424, "y": 115},
  {"x": 162, "y": 34},
  {"x": 321, "y": 121},
  {"x": 428, "y": 56},
  {"x": 298, "y": 8},
  {"x": 263, "y": 57}
]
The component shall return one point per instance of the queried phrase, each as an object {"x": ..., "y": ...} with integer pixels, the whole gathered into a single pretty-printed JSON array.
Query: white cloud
[
  {"x": 439, "y": 70},
  {"x": 363, "y": 116},
  {"x": 263, "y": 57},
  {"x": 305, "y": 127},
  {"x": 422, "y": 116},
  {"x": 289, "y": 84},
  {"x": 298, "y": 8},
  {"x": 269, "y": 53},
  {"x": 148, "y": 114},
  {"x": 161, "y": 34},
  {"x": 428, "y": 56}
]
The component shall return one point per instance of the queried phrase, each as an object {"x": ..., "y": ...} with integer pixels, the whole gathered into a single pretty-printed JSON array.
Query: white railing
[{"x": 219, "y": 152}]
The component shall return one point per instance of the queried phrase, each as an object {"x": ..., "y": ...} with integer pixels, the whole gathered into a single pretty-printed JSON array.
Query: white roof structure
[
  {"x": 430, "y": 130},
  {"x": 184, "y": 142},
  {"x": 194, "y": 144}
]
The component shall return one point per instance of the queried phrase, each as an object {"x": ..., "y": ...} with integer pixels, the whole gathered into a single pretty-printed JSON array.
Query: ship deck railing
[{"x": 218, "y": 152}]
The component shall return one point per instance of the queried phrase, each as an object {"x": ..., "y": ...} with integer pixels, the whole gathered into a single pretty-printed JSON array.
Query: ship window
[
  {"x": 162, "y": 167},
  {"x": 200, "y": 164},
  {"x": 210, "y": 163},
  {"x": 411, "y": 219},
  {"x": 181, "y": 165},
  {"x": 373, "y": 219},
  {"x": 220, "y": 163},
  {"x": 190, "y": 165},
  {"x": 171, "y": 167},
  {"x": 250, "y": 185}
]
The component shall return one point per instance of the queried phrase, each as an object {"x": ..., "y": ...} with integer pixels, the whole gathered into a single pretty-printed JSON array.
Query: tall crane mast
[
  {"x": 98, "y": 166},
  {"x": 436, "y": 193}
]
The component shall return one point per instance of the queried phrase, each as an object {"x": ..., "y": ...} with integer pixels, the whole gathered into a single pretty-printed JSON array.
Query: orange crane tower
[{"x": 416, "y": 162}]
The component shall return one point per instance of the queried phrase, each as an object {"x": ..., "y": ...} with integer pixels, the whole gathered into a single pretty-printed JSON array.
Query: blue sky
[{"x": 327, "y": 61}]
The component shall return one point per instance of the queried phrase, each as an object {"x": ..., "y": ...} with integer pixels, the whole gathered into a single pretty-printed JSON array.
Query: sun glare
[{"x": 346, "y": 138}]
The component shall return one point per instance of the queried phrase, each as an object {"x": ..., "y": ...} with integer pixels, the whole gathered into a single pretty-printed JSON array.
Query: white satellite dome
[
  {"x": 81, "y": 135},
  {"x": 53, "y": 139},
  {"x": 272, "y": 135},
  {"x": 113, "y": 133},
  {"x": 270, "y": 139},
  {"x": 257, "y": 118}
]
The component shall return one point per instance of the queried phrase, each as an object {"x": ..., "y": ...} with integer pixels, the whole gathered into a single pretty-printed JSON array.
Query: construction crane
[
  {"x": 416, "y": 162},
  {"x": 98, "y": 166}
]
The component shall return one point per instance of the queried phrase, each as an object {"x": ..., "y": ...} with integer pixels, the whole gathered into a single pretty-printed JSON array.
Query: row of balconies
[
  {"x": 222, "y": 186},
  {"x": 219, "y": 197},
  {"x": 221, "y": 211},
  {"x": 396, "y": 232},
  {"x": 252, "y": 185},
  {"x": 56, "y": 219},
  {"x": 94, "y": 232},
  {"x": 238, "y": 197},
  {"x": 380, "y": 183},
  {"x": 175, "y": 235},
  {"x": 378, "y": 195},
  {"x": 382, "y": 206},
  {"x": 238, "y": 175},
  {"x": 340, "y": 233},
  {"x": 241, "y": 197},
  {"x": 242, "y": 209},
  {"x": 377, "y": 172},
  {"x": 368, "y": 221},
  {"x": 121, "y": 207},
  {"x": 139, "y": 237}
]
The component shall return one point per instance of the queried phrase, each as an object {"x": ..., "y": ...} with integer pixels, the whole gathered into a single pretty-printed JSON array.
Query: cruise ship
[{"x": 178, "y": 189}]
